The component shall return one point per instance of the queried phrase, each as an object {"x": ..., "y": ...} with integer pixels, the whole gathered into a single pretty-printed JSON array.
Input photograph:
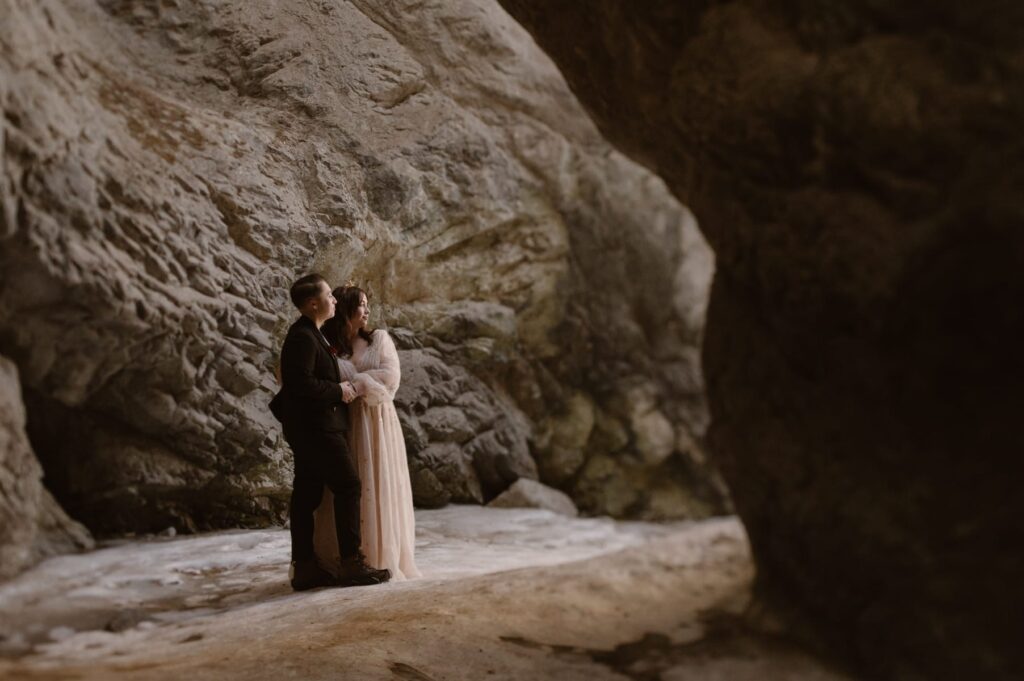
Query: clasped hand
[{"x": 348, "y": 392}]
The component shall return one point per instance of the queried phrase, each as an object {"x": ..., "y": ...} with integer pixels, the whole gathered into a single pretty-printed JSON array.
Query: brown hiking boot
[
  {"x": 355, "y": 572},
  {"x": 307, "y": 574}
]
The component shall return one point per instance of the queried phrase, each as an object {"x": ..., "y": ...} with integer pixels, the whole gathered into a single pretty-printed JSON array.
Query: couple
[{"x": 351, "y": 510}]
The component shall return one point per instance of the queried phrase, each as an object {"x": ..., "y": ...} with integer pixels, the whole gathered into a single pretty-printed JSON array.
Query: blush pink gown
[{"x": 387, "y": 523}]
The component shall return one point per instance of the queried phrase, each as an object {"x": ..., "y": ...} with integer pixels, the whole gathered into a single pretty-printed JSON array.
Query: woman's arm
[{"x": 379, "y": 385}]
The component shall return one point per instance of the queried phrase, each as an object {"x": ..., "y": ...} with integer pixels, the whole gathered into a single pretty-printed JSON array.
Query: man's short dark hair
[{"x": 305, "y": 288}]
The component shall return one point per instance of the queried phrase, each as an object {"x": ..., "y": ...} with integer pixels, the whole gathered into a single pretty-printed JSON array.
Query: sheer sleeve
[
  {"x": 379, "y": 385},
  {"x": 346, "y": 368}
]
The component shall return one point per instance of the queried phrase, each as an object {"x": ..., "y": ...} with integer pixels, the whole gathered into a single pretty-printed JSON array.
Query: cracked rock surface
[{"x": 171, "y": 166}]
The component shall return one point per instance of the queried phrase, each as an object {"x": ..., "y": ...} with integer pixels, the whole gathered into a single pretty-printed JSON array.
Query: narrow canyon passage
[
  {"x": 517, "y": 185},
  {"x": 506, "y": 594}
]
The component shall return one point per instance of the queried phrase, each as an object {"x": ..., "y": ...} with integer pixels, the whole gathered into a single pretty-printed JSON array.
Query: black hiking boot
[
  {"x": 355, "y": 572},
  {"x": 307, "y": 574}
]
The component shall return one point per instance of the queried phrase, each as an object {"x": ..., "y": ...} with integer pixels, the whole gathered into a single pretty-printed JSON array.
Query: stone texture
[
  {"x": 570, "y": 432},
  {"x": 525, "y": 493},
  {"x": 471, "y": 442},
  {"x": 859, "y": 172},
  {"x": 32, "y": 525},
  {"x": 170, "y": 166}
]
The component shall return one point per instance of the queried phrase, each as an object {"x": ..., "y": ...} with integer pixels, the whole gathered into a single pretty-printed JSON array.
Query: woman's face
[{"x": 362, "y": 313}]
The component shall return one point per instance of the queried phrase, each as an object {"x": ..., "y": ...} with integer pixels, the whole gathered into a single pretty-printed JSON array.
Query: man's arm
[{"x": 298, "y": 360}]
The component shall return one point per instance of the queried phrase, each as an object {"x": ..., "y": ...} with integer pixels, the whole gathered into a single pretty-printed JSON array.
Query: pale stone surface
[
  {"x": 169, "y": 167},
  {"x": 525, "y": 493},
  {"x": 506, "y": 594}
]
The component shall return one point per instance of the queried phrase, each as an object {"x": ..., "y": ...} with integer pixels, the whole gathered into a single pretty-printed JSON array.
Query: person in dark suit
[{"x": 312, "y": 406}]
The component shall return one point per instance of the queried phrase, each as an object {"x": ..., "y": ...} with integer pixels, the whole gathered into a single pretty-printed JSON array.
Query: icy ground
[
  {"x": 147, "y": 583},
  {"x": 506, "y": 593}
]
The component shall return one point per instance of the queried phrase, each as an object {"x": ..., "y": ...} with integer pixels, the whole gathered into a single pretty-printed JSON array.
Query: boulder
[{"x": 525, "y": 493}]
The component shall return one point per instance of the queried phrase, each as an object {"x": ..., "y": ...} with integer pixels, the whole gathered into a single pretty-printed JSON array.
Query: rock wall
[
  {"x": 171, "y": 166},
  {"x": 859, "y": 172},
  {"x": 34, "y": 526}
]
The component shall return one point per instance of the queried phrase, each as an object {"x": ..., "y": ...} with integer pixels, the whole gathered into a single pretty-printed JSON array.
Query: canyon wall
[
  {"x": 859, "y": 171},
  {"x": 171, "y": 166}
]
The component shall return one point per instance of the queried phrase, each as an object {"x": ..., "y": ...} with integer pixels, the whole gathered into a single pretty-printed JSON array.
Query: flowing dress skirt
[{"x": 387, "y": 523}]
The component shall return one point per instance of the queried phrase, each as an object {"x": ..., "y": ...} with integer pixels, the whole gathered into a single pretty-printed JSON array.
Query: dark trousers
[{"x": 322, "y": 459}]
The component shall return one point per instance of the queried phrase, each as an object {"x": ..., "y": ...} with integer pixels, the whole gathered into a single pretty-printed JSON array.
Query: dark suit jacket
[{"x": 310, "y": 395}]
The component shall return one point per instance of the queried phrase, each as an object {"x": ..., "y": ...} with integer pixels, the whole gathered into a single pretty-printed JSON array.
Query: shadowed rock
[
  {"x": 859, "y": 171},
  {"x": 33, "y": 526}
]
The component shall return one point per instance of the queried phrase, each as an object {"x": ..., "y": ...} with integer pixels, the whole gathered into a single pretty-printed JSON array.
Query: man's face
[{"x": 324, "y": 302}]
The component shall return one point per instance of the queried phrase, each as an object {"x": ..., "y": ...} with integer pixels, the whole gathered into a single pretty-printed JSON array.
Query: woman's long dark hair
[{"x": 335, "y": 330}]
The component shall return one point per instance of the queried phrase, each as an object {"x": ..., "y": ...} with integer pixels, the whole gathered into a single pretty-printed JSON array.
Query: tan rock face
[
  {"x": 170, "y": 167},
  {"x": 858, "y": 172}
]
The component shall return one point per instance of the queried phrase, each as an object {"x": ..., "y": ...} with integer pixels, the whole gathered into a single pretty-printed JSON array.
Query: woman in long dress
[{"x": 369, "y": 360}]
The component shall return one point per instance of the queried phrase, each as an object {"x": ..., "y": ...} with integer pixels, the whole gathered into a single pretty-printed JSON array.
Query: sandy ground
[{"x": 506, "y": 594}]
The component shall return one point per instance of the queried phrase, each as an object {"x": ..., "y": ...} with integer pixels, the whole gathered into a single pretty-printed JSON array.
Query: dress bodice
[
  {"x": 366, "y": 356},
  {"x": 375, "y": 366}
]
